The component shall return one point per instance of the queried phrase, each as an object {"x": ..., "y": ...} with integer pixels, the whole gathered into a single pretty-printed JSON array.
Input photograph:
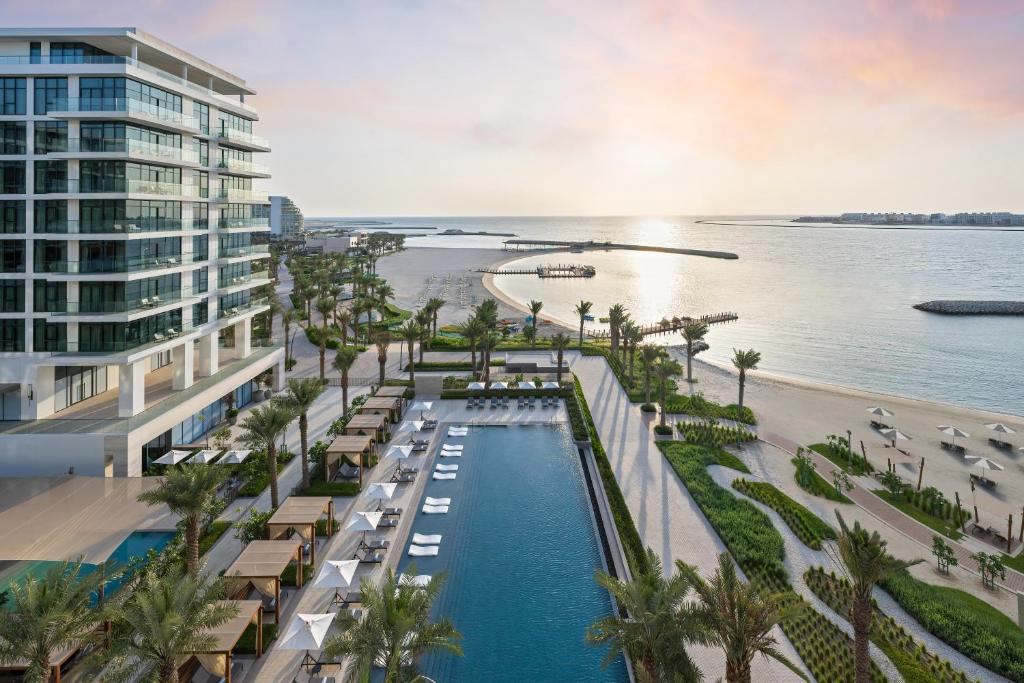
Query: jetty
[
  {"x": 967, "y": 307},
  {"x": 670, "y": 325},
  {"x": 555, "y": 271},
  {"x": 535, "y": 244}
]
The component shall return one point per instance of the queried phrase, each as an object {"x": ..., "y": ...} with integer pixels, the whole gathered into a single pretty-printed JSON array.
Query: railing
[
  {"x": 58, "y": 186},
  {"x": 126, "y": 105},
  {"x": 127, "y": 225},
  {"x": 231, "y": 164},
  {"x": 111, "y": 307},
  {"x": 233, "y": 281},
  {"x": 116, "y": 265},
  {"x": 234, "y": 135},
  {"x": 117, "y": 346},
  {"x": 131, "y": 146},
  {"x": 131, "y": 185},
  {"x": 247, "y": 250},
  {"x": 228, "y": 194},
  {"x": 225, "y": 223},
  {"x": 233, "y": 311}
]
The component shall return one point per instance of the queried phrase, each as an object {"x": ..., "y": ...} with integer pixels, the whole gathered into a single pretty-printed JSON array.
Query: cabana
[
  {"x": 387, "y": 405},
  {"x": 392, "y": 392},
  {"x": 261, "y": 565},
  {"x": 217, "y": 660},
  {"x": 58, "y": 663},
  {"x": 369, "y": 423},
  {"x": 353, "y": 447},
  {"x": 301, "y": 514}
]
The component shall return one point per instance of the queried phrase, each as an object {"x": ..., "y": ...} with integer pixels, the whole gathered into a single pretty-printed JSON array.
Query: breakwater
[
  {"x": 967, "y": 307},
  {"x": 528, "y": 244}
]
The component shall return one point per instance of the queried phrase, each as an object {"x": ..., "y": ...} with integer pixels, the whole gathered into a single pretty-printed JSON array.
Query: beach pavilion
[
  {"x": 374, "y": 424},
  {"x": 386, "y": 405},
  {"x": 300, "y": 514},
  {"x": 260, "y": 565},
  {"x": 59, "y": 662},
  {"x": 354, "y": 447},
  {"x": 217, "y": 660},
  {"x": 392, "y": 392}
]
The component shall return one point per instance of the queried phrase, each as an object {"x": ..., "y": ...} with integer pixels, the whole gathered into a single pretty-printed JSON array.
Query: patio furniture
[
  {"x": 403, "y": 477},
  {"x": 301, "y": 514},
  {"x": 955, "y": 447},
  {"x": 435, "y": 509},
  {"x": 999, "y": 443},
  {"x": 982, "y": 481},
  {"x": 218, "y": 659},
  {"x": 880, "y": 426}
]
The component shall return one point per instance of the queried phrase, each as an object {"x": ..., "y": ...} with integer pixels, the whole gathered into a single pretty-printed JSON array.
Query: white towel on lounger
[
  {"x": 447, "y": 468},
  {"x": 423, "y": 550},
  {"x": 435, "y": 509},
  {"x": 426, "y": 539},
  {"x": 444, "y": 475},
  {"x": 452, "y": 447},
  {"x": 438, "y": 501},
  {"x": 451, "y": 454}
]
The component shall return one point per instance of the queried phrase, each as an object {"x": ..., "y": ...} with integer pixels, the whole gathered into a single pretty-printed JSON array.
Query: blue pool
[{"x": 520, "y": 548}]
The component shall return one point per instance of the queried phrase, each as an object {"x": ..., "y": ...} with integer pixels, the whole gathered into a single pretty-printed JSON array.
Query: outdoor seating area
[
  {"x": 385, "y": 405},
  {"x": 300, "y": 515},
  {"x": 260, "y": 566},
  {"x": 218, "y": 660},
  {"x": 374, "y": 424},
  {"x": 356, "y": 448}
]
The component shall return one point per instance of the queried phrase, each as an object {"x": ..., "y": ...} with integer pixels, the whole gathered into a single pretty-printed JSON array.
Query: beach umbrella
[
  {"x": 880, "y": 411},
  {"x": 476, "y": 386},
  {"x": 953, "y": 432},
  {"x": 380, "y": 492},
  {"x": 1001, "y": 428},
  {"x": 985, "y": 464},
  {"x": 234, "y": 458},
  {"x": 895, "y": 435},
  {"x": 364, "y": 522},
  {"x": 306, "y": 632},
  {"x": 421, "y": 406},
  {"x": 204, "y": 457},
  {"x": 499, "y": 385},
  {"x": 172, "y": 457},
  {"x": 399, "y": 452},
  {"x": 551, "y": 385},
  {"x": 336, "y": 574}
]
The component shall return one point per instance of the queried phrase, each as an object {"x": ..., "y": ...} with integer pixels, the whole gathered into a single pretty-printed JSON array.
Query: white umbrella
[
  {"x": 551, "y": 385},
  {"x": 399, "y": 452},
  {"x": 499, "y": 385},
  {"x": 364, "y": 521},
  {"x": 234, "y": 458},
  {"x": 953, "y": 432},
  {"x": 172, "y": 457},
  {"x": 380, "y": 492},
  {"x": 204, "y": 457},
  {"x": 985, "y": 464},
  {"x": 1001, "y": 428},
  {"x": 895, "y": 435},
  {"x": 306, "y": 632},
  {"x": 476, "y": 386},
  {"x": 421, "y": 406},
  {"x": 336, "y": 574},
  {"x": 409, "y": 426},
  {"x": 880, "y": 411}
]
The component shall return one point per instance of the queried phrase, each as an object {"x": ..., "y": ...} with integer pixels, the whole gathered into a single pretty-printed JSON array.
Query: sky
[{"x": 522, "y": 107}]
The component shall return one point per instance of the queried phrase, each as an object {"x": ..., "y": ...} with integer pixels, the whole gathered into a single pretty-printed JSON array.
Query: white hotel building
[{"x": 133, "y": 250}]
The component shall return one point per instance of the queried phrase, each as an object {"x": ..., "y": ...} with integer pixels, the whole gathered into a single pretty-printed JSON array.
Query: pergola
[
  {"x": 392, "y": 392},
  {"x": 57, "y": 661},
  {"x": 352, "y": 446},
  {"x": 261, "y": 565},
  {"x": 388, "y": 405},
  {"x": 300, "y": 513},
  {"x": 217, "y": 660},
  {"x": 368, "y": 423}
]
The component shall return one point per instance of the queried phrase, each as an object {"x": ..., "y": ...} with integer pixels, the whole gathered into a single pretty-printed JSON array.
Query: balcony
[
  {"x": 121, "y": 345},
  {"x": 239, "y": 280},
  {"x": 238, "y": 195},
  {"x": 126, "y": 307},
  {"x": 116, "y": 265},
  {"x": 121, "y": 107},
  {"x": 243, "y": 309},
  {"x": 123, "y": 226},
  {"x": 128, "y": 147},
  {"x": 240, "y": 167},
  {"x": 257, "y": 250},
  {"x": 226, "y": 223},
  {"x": 241, "y": 138}
]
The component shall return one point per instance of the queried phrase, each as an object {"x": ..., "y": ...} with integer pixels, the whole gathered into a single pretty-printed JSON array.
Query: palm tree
[
  {"x": 473, "y": 329},
  {"x": 633, "y": 338},
  {"x": 188, "y": 492},
  {"x": 344, "y": 320},
  {"x": 487, "y": 344},
  {"x": 582, "y": 311},
  {"x": 167, "y": 618},
  {"x": 665, "y": 369},
  {"x": 745, "y": 360},
  {"x": 344, "y": 359},
  {"x": 44, "y": 615},
  {"x": 738, "y": 617},
  {"x": 487, "y": 311},
  {"x": 657, "y": 626},
  {"x": 693, "y": 332},
  {"x": 287, "y": 318},
  {"x": 384, "y": 292},
  {"x": 434, "y": 305},
  {"x": 560, "y": 342},
  {"x": 302, "y": 394},
  {"x": 382, "y": 340},
  {"x": 863, "y": 557},
  {"x": 616, "y": 317},
  {"x": 422, "y": 318},
  {"x": 262, "y": 429},
  {"x": 535, "y": 307},
  {"x": 324, "y": 307},
  {"x": 648, "y": 354},
  {"x": 396, "y": 629},
  {"x": 411, "y": 332}
]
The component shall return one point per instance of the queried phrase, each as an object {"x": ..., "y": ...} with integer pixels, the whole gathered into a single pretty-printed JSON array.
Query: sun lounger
[
  {"x": 387, "y": 522},
  {"x": 392, "y": 512},
  {"x": 999, "y": 443},
  {"x": 980, "y": 481},
  {"x": 470, "y": 404},
  {"x": 419, "y": 447},
  {"x": 447, "y": 468},
  {"x": 426, "y": 539},
  {"x": 429, "y": 424},
  {"x": 437, "y": 501},
  {"x": 444, "y": 475},
  {"x": 420, "y": 442},
  {"x": 423, "y": 550},
  {"x": 370, "y": 558},
  {"x": 409, "y": 469},
  {"x": 451, "y": 454},
  {"x": 457, "y": 432},
  {"x": 520, "y": 403},
  {"x": 375, "y": 544},
  {"x": 403, "y": 477},
  {"x": 452, "y": 446},
  {"x": 435, "y": 509},
  {"x": 347, "y": 471},
  {"x": 879, "y": 425}
]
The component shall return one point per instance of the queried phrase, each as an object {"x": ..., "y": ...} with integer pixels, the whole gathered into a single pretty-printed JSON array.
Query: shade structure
[
  {"x": 234, "y": 458},
  {"x": 261, "y": 564},
  {"x": 422, "y": 405},
  {"x": 985, "y": 463},
  {"x": 336, "y": 574},
  {"x": 409, "y": 426},
  {"x": 204, "y": 457},
  {"x": 551, "y": 385},
  {"x": 398, "y": 452},
  {"x": 953, "y": 431},
  {"x": 172, "y": 457},
  {"x": 880, "y": 411},
  {"x": 1001, "y": 428},
  {"x": 380, "y": 492},
  {"x": 306, "y": 632},
  {"x": 499, "y": 385},
  {"x": 300, "y": 513},
  {"x": 364, "y": 521},
  {"x": 895, "y": 435},
  {"x": 476, "y": 386}
]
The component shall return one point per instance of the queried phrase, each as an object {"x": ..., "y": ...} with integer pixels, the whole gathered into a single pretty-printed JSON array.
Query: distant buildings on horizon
[
  {"x": 963, "y": 218},
  {"x": 285, "y": 218}
]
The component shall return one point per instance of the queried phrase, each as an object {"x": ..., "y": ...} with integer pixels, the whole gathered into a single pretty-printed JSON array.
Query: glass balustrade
[
  {"x": 131, "y": 146},
  {"x": 125, "y": 105}
]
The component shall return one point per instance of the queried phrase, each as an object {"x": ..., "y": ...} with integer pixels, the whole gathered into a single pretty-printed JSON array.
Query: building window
[
  {"x": 200, "y": 248},
  {"x": 49, "y": 336},
  {"x": 12, "y": 96},
  {"x": 202, "y": 112},
  {"x": 51, "y": 176},
  {"x": 200, "y": 216},
  {"x": 35, "y": 52},
  {"x": 12, "y": 296},
  {"x": 12, "y": 216},
  {"x": 50, "y": 93},
  {"x": 202, "y": 181},
  {"x": 49, "y": 297},
  {"x": 12, "y": 256},
  {"x": 101, "y": 94},
  {"x": 200, "y": 313},
  {"x": 12, "y": 137},
  {"x": 12, "y": 334},
  {"x": 74, "y": 384},
  {"x": 80, "y": 53},
  {"x": 202, "y": 151},
  {"x": 51, "y": 136},
  {"x": 50, "y": 215},
  {"x": 12, "y": 177},
  {"x": 200, "y": 280}
]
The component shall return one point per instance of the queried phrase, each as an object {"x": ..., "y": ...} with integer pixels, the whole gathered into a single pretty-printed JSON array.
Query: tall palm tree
[
  {"x": 648, "y": 354},
  {"x": 302, "y": 394},
  {"x": 487, "y": 311},
  {"x": 657, "y": 626},
  {"x": 487, "y": 344},
  {"x": 582, "y": 311},
  {"x": 738, "y": 617},
  {"x": 324, "y": 306},
  {"x": 188, "y": 491},
  {"x": 560, "y": 342},
  {"x": 411, "y": 332},
  {"x": 344, "y": 359},
  {"x": 864, "y": 559},
  {"x": 665, "y": 369},
  {"x": 382, "y": 340},
  {"x": 434, "y": 305},
  {"x": 616, "y": 317},
  {"x": 44, "y": 615},
  {"x": 473, "y": 329},
  {"x": 262, "y": 429},
  {"x": 384, "y": 292},
  {"x": 167, "y": 618},
  {"x": 287, "y": 319},
  {"x": 745, "y": 360},
  {"x": 535, "y": 307},
  {"x": 634, "y": 337},
  {"x": 396, "y": 630},
  {"x": 422, "y": 319},
  {"x": 692, "y": 333},
  {"x": 344, "y": 320}
]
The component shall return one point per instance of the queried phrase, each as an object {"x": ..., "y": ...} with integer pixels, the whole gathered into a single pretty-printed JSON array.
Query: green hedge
[
  {"x": 288, "y": 575},
  {"x": 246, "y": 645},
  {"x": 257, "y": 478},
  {"x": 710, "y": 433},
  {"x": 318, "y": 487},
  {"x": 805, "y": 524},
  {"x": 965, "y": 623},
  {"x": 904, "y": 504},
  {"x": 840, "y": 458},
  {"x": 212, "y": 534}
]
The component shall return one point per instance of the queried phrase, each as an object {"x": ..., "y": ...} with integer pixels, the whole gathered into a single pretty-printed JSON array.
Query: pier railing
[{"x": 669, "y": 325}]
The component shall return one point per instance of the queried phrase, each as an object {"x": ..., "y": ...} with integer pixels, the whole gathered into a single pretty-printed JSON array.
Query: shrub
[
  {"x": 805, "y": 524},
  {"x": 663, "y": 430},
  {"x": 649, "y": 408},
  {"x": 817, "y": 486},
  {"x": 253, "y": 527},
  {"x": 707, "y": 432},
  {"x": 853, "y": 464}
]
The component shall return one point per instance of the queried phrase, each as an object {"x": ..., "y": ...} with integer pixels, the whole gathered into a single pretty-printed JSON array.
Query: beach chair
[
  {"x": 999, "y": 443},
  {"x": 533, "y": 403},
  {"x": 409, "y": 469},
  {"x": 392, "y": 512},
  {"x": 387, "y": 522},
  {"x": 429, "y": 425},
  {"x": 347, "y": 471},
  {"x": 375, "y": 544},
  {"x": 521, "y": 403},
  {"x": 369, "y": 557},
  {"x": 403, "y": 477},
  {"x": 470, "y": 404}
]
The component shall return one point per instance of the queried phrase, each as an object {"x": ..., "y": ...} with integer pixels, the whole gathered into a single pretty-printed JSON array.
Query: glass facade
[
  {"x": 115, "y": 337},
  {"x": 51, "y": 136},
  {"x": 47, "y": 336},
  {"x": 12, "y": 216},
  {"x": 74, "y": 384},
  {"x": 50, "y": 216},
  {"x": 12, "y": 334},
  {"x": 49, "y": 92},
  {"x": 51, "y": 177},
  {"x": 99, "y": 94},
  {"x": 201, "y": 112},
  {"x": 12, "y": 137},
  {"x": 12, "y": 296},
  {"x": 12, "y": 177},
  {"x": 119, "y": 215},
  {"x": 12, "y": 256},
  {"x": 12, "y": 97},
  {"x": 122, "y": 176},
  {"x": 113, "y": 136}
]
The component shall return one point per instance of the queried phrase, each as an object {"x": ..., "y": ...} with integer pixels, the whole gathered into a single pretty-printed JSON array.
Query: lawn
[
  {"x": 931, "y": 521},
  {"x": 840, "y": 459},
  {"x": 319, "y": 487}
]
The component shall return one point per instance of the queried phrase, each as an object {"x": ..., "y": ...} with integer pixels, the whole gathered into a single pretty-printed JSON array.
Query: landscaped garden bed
[{"x": 807, "y": 526}]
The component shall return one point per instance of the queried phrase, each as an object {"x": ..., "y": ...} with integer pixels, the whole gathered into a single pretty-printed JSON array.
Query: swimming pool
[{"x": 520, "y": 548}]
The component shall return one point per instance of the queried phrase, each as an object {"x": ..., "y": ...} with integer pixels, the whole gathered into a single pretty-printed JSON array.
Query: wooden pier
[
  {"x": 549, "y": 271},
  {"x": 668, "y": 326}
]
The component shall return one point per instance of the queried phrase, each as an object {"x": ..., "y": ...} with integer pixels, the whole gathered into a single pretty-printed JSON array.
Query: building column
[
  {"x": 277, "y": 375},
  {"x": 183, "y": 365},
  {"x": 209, "y": 354},
  {"x": 243, "y": 338},
  {"x": 131, "y": 394}
]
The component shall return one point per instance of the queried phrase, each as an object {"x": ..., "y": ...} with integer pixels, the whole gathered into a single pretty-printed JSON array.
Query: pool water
[{"x": 520, "y": 547}]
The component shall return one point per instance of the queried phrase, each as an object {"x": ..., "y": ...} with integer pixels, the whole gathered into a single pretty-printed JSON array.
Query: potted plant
[
  {"x": 232, "y": 415},
  {"x": 662, "y": 432}
]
